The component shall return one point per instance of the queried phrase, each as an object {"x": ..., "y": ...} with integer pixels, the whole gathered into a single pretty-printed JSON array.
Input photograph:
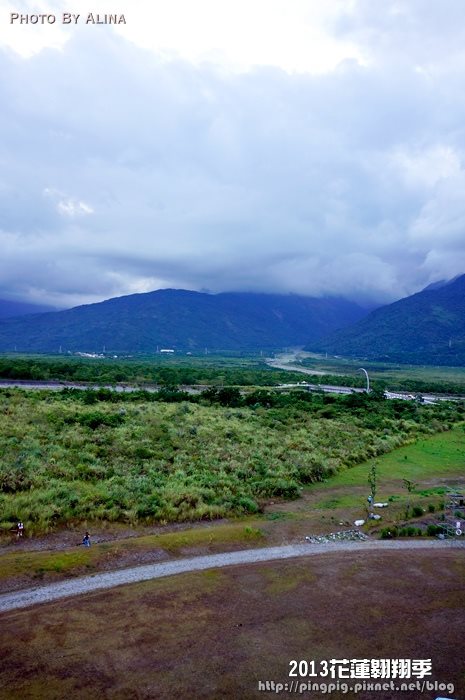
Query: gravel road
[{"x": 87, "y": 584}]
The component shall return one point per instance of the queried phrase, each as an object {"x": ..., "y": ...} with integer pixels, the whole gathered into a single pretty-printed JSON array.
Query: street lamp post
[{"x": 368, "y": 379}]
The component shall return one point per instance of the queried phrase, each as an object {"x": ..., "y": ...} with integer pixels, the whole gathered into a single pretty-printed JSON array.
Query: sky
[{"x": 313, "y": 147}]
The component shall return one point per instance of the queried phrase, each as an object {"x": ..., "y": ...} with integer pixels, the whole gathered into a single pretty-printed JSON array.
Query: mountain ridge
[
  {"x": 425, "y": 328},
  {"x": 183, "y": 320}
]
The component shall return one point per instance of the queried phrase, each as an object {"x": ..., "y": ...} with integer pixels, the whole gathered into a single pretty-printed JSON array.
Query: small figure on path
[
  {"x": 86, "y": 540},
  {"x": 19, "y": 529}
]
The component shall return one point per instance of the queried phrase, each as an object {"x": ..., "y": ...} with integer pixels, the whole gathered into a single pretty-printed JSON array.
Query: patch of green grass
[
  {"x": 76, "y": 560},
  {"x": 435, "y": 491},
  {"x": 279, "y": 515},
  {"x": 330, "y": 503},
  {"x": 46, "y": 562},
  {"x": 441, "y": 455}
]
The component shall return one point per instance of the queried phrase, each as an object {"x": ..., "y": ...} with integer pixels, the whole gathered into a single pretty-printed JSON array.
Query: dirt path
[{"x": 87, "y": 584}]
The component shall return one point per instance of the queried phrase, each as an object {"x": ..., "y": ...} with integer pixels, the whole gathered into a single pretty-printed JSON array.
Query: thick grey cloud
[{"x": 123, "y": 172}]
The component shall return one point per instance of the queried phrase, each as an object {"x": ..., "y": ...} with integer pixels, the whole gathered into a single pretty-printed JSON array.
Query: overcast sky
[{"x": 306, "y": 146}]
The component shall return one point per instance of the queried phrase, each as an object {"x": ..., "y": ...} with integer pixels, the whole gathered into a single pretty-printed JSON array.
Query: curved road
[{"x": 87, "y": 584}]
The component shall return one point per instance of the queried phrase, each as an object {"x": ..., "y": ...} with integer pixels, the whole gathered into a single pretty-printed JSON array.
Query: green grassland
[
  {"x": 85, "y": 456},
  {"x": 429, "y": 457},
  {"x": 433, "y": 462}
]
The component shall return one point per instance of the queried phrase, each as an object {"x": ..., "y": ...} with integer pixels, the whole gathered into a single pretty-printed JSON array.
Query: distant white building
[{"x": 166, "y": 350}]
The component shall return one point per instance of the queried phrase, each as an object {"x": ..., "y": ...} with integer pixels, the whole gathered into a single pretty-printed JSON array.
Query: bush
[
  {"x": 388, "y": 533},
  {"x": 278, "y": 488},
  {"x": 94, "y": 419},
  {"x": 433, "y": 530},
  {"x": 247, "y": 505},
  {"x": 417, "y": 511}
]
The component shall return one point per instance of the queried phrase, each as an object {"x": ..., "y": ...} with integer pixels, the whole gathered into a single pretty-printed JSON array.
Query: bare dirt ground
[{"x": 218, "y": 633}]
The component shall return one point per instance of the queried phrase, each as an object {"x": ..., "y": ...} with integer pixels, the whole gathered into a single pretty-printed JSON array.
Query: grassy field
[
  {"x": 68, "y": 459},
  {"x": 433, "y": 464},
  {"x": 441, "y": 455},
  {"x": 218, "y": 633}
]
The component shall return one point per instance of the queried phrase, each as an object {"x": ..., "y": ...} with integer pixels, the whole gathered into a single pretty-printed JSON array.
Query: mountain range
[
  {"x": 181, "y": 320},
  {"x": 425, "y": 328}
]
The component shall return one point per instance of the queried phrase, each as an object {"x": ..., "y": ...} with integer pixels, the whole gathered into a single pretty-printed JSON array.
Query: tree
[
  {"x": 410, "y": 486},
  {"x": 373, "y": 480}
]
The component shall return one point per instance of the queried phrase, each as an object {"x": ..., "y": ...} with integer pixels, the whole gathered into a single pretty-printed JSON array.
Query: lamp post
[{"x": 368, "y": 379}]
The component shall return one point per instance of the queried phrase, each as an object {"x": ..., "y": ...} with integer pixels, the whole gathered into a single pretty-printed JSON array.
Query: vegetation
[
  {"x": 184, "y": 320},
  {"x": 388, "y": 375},
  {"x": 373, "y": 481},
  {"x": 244, "y": 370},
  {"x": 437, "y": 336},
  {"x": 100, "y": 455},
  {"x": 159, "y": 370}
]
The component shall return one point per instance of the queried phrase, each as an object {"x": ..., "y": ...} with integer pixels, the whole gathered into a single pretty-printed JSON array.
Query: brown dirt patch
[{"x": 215, "y": 634}]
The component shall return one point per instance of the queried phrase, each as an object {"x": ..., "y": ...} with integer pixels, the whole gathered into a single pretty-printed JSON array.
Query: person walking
[
  {"x": 19, "y": 529},
  {"x": 86, "y": 540}
]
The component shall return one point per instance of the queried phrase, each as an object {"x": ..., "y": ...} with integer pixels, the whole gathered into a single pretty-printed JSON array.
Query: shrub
[
  {"x": 16, "y": 478},
  {"x": 278, "y": 487},
  {"x": 388, "y": 533},
  {"x": 433, "y": 530},
  {"x": 246, "y": 504},
  {"x": 252, "y": 533},
  {"x": 94, "y": 419},
  {"x": 417, "y": 511}
]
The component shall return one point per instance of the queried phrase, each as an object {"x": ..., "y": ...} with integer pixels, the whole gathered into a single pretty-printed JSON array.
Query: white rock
[{"x": 359, "y": 522}]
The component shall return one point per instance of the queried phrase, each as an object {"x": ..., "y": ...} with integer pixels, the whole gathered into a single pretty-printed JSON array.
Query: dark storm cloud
[{"x": 122, "y": 172}]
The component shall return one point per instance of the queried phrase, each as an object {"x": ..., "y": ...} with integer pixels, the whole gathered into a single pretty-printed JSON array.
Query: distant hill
[
  {"x": 425, "y": 328},
  {"x": 182, "y": 320},
  {"x": 9, "y": 309}
]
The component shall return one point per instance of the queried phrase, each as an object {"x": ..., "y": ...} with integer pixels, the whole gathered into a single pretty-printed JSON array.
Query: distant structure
[
  {"x": 361, "y": 369},
  {"x": 90, "y": 354},
  {"x": 167, "y": 350},
  {"x": 454, "y": 514}
]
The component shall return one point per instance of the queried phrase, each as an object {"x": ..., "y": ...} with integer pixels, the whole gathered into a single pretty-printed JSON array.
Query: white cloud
[
  {"x": 68, "y": 206},
  {"x": 236, "y": 35},
  {"x": 426, "y": 167},
  {"x": 127, "y": 169},
  {"x": 29, "y": 39}
]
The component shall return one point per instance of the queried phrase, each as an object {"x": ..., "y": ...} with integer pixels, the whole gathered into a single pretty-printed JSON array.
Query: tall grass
[{"x": 63, "y": 461}]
